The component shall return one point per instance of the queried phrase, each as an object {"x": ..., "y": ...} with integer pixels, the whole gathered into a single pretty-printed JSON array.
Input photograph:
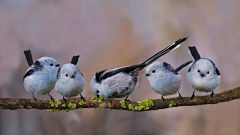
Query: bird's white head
[
  {"x": 203, "y": 69},
  {"x": 67, "y": 71},
  {"x": 158, "y": 68},
  {"x": 48, "y": 63}
]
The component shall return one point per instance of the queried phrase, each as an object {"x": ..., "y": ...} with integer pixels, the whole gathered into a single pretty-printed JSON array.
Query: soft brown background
[{"x": 117, "y": 33}]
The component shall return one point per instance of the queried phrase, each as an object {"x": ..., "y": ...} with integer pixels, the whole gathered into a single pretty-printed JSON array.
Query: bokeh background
[{"x": 115, "y": 33}]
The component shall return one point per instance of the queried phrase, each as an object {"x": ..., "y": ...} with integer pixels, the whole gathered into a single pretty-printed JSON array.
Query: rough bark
[{"x": 145, "y": 105}]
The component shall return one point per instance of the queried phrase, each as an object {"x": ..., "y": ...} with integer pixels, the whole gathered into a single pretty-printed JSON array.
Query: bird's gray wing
[
  {"x": 35, "y": 67},
  {"x": 217, "y": 71},
  {"x": 29, "y": 72}
]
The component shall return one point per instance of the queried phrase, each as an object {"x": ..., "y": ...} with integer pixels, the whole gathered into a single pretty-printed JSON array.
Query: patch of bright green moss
[
  {"x": 170, "y": 98},
  {"x": 82, "y": 102},
  {"x": 97, "y": 99},
  {"x": 56, "y": 103},
  {"x": 131, "y": 108},
  {"x": 172, "y": 103},
  {"x": 145, "y": 104},
  {"x": 21, "y": 106},
  {"x": 63, "y": 105},
  {"x": 72, "y": 105},
  {"x": 122, "y": 102}
]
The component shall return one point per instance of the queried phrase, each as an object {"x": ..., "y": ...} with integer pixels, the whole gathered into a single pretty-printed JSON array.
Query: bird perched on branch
[
  {"x": 164, "y": 79},
  {"x": 121, "y": 82},
  {"x": 41, "y": 76},
  {"x": 203, "y": 75},
  {"x": 70, "y": 80}
]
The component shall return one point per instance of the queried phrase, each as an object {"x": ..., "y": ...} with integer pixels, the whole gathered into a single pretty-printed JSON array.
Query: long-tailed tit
[
  {"x": 70, "y": 80},
  {"x": 203, "y": 75},
  {"x": 41, "y": 76},
  {"x": 164, "y": 79},
  {"x": 121, "y": 82}
]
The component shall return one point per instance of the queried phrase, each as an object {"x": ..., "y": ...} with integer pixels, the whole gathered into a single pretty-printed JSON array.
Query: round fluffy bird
[
  {"x": 203, "y": 75},
  {"x": 121, "y": 82},
  {"x": 70, "y": 80},
  {"x": 164, "y": 79},
  {"x": 41, "y": 75}
]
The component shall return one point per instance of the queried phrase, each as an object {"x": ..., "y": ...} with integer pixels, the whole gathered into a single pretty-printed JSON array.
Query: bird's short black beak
[
  {"x": 57, "y": 65},
  {"x": 73, "y": 76},
  {"x": 147, "y": 74},
  {"x": 202, "y": 75}
]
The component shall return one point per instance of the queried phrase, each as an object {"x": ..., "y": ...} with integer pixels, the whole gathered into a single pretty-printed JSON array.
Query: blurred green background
[{"x": 116, "y": 33}]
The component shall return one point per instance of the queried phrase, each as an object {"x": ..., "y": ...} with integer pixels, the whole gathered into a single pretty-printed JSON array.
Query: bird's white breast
[
  {"x": 70, "y": 87},
  {"x": 166, "y": 83},
  {"x": 203, "y": 84}
]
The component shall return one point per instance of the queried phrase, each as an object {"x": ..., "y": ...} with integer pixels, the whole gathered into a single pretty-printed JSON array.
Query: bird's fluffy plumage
[
  {"x": 203, "y": 75},
  {"x": 41, "y": 76},
  {"x": 71, "y": 81},
  {"x": 199, "y": 78},
  {"x": 164, "y": 79}
]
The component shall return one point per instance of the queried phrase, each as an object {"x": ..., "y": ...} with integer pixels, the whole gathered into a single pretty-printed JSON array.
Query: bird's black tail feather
[
  {"x": 28, "y": 56},
  {"x": 171, "y": 47},
  {"x": 136, "y": 68},
  {"x": 182, "y": 66},
  {"x": 194, "y": 52},
  {"x": 75, "y": 59}
]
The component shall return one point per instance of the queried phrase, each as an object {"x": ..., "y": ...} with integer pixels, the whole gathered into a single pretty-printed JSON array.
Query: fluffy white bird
[
  {"x": 70, "y": 80},
  {"x": 203, "y": 75},
  {"x": 164, "y": 79},
  {"x": 121, "y": 82},
  {"x": 41, "y": 76}
]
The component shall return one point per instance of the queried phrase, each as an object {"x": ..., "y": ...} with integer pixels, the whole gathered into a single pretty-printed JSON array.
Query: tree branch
[{"x": 145, "y": 105}]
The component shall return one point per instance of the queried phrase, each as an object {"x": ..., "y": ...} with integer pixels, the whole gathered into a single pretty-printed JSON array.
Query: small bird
[
  {"x": 121, "y": 82},
  {"x": 41, "y": 76},
  {"x": 164, "y": 79},
  {"x": 70, "y": 80},
  {"x": 203, "y": 75}
]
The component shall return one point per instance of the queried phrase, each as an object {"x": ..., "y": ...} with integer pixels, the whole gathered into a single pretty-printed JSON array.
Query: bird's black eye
[
  {"x": 66, "y": 75},
  {"x": 198, "y": 70},
  {"x": 97, "y": 91},
  {"x": 51, "y": 64},
  {"x": 207, "y": 72},
  {"x": 153, "y": 71}
]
